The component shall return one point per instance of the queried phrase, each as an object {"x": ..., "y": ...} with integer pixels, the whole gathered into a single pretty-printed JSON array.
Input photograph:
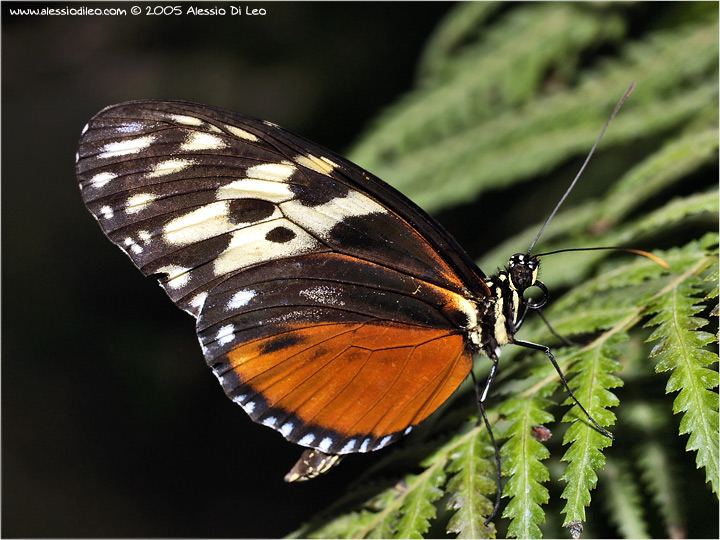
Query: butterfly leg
[
  {"x": 481, "y": 405},
  {"x": 549, "y": 354},
  {"x": 554, "y": 332}
]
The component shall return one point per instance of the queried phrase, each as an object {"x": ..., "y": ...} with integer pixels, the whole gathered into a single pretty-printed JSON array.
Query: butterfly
[{"x": 330, "y": 307}]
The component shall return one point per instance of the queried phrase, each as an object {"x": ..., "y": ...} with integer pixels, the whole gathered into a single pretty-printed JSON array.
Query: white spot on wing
[
  {"x": 123, "y": 148},
  {"x": 241, "y": 133},
  {"x": 322, "y": 218},
  {"x": 134, "y": 247},
  {"x": 329, "y": 162},
  {"x": 287, "y": 428},
  {"x": 178, "y": 276},
  {"x": 198, "y": 301},
  {"x": 138, "y": 202},
  {"x": 266, "y": 190},
  {"x": 384, "y": 442},
  {"x": 169, "y": 166},
  {"x": 364, "y": 445},
  {"x": 307, "y": 439},
  {"x": 186, "y": 120},
  {"x": 408, "y": 430},
  {"x": 270, "y": 421},
  {"x": 205, "y": 222},
  {"x": 107, "y": 212},
  {"x": 84, "y": 130},
  {"x": 100, "y": 179},
  {"x": 275, "y": 172},
  {"x": 325, "y": 444},
  {"x": 202, "y": 141},
  {"x": 225, "y": 335},
  {"x": 240, "y": 299},
  {"x": 316, "y": 164},
  {"x": 349, "y": 446},
  {"x": 249, "y": 407},
  {"x": 248, "y": 246},
  {"x": 144, "y": 236}
]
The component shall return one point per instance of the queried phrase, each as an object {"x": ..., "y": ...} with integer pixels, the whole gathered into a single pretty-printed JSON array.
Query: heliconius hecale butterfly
[{"x": 330, "y": 307}]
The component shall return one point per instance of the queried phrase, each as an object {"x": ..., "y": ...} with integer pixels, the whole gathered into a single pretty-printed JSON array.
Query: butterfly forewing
[{"x": 329, "y": 306}]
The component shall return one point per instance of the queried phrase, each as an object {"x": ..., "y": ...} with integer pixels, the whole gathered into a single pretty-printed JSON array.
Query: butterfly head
[{"x": 523, "y": 271}]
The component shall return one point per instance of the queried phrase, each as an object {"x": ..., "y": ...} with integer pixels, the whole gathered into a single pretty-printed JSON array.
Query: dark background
[{"x": 111, "y": 423}]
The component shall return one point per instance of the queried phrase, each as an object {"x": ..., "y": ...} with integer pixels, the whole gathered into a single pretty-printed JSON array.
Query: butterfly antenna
[
  {"x": 587, "y": 159},
  {"x": 654, "y": 258}
]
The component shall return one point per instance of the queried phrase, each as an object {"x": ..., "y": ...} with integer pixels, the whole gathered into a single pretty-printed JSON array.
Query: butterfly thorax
[{"x": 501, "y": 314}]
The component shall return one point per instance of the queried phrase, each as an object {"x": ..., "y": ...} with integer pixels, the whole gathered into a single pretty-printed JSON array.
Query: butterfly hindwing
[
  {"x": 328, "y": 305},
  {"x": 346, "y": 361}
]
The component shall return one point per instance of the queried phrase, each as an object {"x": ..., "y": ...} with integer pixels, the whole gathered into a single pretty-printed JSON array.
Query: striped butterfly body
[{"x": 330, "y": 307}]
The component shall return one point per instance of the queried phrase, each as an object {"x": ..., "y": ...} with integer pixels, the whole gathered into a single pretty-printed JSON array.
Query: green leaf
[
  {"x": 676, "y": 210},
  {"x": 591, "y": 386},
  {"x": 459, "y": 26},
  {"x": 345, "y": 526},
  {"x": 675, "y": 161},
  {"x": 468, "y": 487},
  {"x": 548, "y": 129},
  {"x": 522, "y": 463},
  {"x": 623, "y": 500},
  {"x": 682, "y": 350},
  {"x": 655, "y": 459},
  {"x": 418, "y": 509},
  {"x": 490, "y": 73}
]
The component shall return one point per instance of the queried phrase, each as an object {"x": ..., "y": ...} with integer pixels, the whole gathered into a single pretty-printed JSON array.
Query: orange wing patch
[{"x": 348, "y": 383}]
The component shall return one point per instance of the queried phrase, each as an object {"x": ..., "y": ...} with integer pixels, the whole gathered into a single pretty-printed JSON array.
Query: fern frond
[
  {"x": 346, "y": 526},
  {"x": 654, "y": 460},
  {"x": 468, "y": 488},
  {"x": 460, "y": 25},
  {"x": 623, "y": 499},
  {"x": 522, "y": 463},
  {"x": 591, "y": 385},
  {"x": 712, "y": 278},
  {"x": 490, "y": 74},
  {"x": 547, "y": 130},
  {"x": 418, "y": 509},
  {"x": 670, "y": 164},
  {"x": 677, "y": 210},
  {"x": 682, "y": 349}
]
